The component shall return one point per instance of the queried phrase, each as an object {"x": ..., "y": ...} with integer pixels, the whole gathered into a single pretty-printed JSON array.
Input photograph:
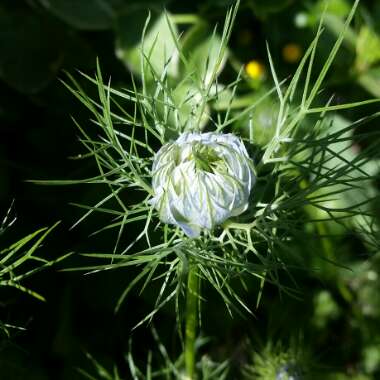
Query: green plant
[
  {"x": 20, "y": 255},
  {"x": 305, "y": 164}
]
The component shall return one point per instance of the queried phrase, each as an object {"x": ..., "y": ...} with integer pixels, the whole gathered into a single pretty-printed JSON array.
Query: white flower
[{"x": 200, "y": 180}]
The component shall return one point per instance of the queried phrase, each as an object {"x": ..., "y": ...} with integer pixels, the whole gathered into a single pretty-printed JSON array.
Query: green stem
[
  {"x": 191, "y": 321},
  {"x": 185, "y": 18}
]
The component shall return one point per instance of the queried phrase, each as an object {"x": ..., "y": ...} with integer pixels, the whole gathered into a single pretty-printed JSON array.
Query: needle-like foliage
[
  {"x": 18, "y": 261},
  {"x": 158, "y": 365},
  {"x": 306, "y": 166}
]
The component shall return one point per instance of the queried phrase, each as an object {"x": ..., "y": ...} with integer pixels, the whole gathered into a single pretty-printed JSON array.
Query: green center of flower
[{"x": 205, "y": 157}]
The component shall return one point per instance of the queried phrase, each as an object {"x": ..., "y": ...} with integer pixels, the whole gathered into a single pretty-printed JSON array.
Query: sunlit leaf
[
  {"x": 158, "y": 44},
  {"x": 367, "y": 48},
  {"x": 201, "y": 47}
]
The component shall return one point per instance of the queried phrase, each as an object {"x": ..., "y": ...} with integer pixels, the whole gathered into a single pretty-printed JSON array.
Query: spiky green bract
[
  {"x": 124, "y": 154},
  {"x": 17, "y": 255},
  {"x": 278, "y": 362},
  {"x": 13, "y": 257},
  {"x": 99, "y": 371},
  {"x": 158, "y": 365},
  {"x": 294, "y": 175}
]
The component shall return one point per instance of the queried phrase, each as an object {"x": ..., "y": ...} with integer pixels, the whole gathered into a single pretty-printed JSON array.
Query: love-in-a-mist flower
[{"x": 200, "y": 180}]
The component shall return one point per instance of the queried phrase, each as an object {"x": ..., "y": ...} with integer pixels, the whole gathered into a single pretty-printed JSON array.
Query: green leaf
[
  {"x": 16, "y": 255},
  {"x": 370, "y": 80},
  {"x": 201, "y": 47},
  {"x": 83, "y": 14},
  {"x": 158, "y": 46},
  {"x": 342, "y": 153},
  {"x": 185, "y": 100},
  {"x": 260, "y": 125},
  {"x": 367, "y": 48},
  {"x": 340, "y": 8}
]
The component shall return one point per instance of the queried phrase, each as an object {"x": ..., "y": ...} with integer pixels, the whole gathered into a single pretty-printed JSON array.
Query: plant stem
[
  {"x": 191, "y": 321},
  {"x": 185, "y": 18}
]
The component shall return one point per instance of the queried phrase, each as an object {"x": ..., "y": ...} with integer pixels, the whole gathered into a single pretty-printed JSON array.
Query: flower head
[{"x": 200, "y": 180}]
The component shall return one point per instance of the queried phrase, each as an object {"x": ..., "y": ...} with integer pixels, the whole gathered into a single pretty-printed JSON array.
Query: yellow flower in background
[
  {"x": 255, "y": 69},
  {"x": 292, "y": 52}
]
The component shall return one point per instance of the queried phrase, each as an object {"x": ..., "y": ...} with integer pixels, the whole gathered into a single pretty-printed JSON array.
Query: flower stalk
[{"x": 191, "y": 322}]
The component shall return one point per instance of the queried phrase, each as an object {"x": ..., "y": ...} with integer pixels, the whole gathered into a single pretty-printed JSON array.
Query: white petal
[{"x": 192, "y": 198}]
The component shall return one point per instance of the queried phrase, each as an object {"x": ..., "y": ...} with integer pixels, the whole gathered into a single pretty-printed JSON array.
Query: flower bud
[
  {"x": 288, "y": 372},
  {"x": 200, "y": 180}
]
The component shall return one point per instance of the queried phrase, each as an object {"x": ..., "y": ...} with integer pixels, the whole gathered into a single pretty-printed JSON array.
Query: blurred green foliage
[{"x": 338, "y": 310}]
